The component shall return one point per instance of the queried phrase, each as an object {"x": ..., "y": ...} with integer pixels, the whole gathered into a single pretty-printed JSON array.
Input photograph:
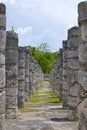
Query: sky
[{"x": 41, "y": 21}]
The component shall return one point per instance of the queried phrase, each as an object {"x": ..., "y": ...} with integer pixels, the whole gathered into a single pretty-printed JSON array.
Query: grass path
[{"x": 43, "y": 111}]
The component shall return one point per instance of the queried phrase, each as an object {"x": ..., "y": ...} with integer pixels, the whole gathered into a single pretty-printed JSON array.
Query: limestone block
[
  {"x": 73, "y": 114},
  {"x": 11, "y": 113},
  {"x": 82, "y": 112},
  {"x": 65, "y": 85},
  {"x": 72, "y": 54},
  {"x": 82, "y": 10},
  {"x": 21, "y": 86},
  {"x": 2, "y": 58},
  {"x": 74, "y": 89},
  {"x": 72, "y": 32},
  {"x": 82, "y": 50},
  {"x": 2, "y": 78},
  {"x": 72, "y": 101},
  {"x": 11, "y": 102},
  {"x": 12, "y": 70},
  {"x": 10, "y": 56},
  {"x": 72, "y": 76},
  {"x": 73, "y": 64},
  {"x": 21, "y": 72},
  {"x": 21, "y": 99},
  {"x": 12, "y": 82},
  {"x": 11, "y": 91},
  {"x": 2, "y": 122},
  {"x": 2, "y": 40},
  {"x": 3, "y": 22},
  {"x": 2, "y": 103},
  {"x": 21, "y": 63},
  {"x": 82, "y": 78},
  {"x": 73, "y": 42}
]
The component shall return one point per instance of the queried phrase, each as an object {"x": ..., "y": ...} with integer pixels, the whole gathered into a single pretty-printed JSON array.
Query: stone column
[
  {"x": 30, "y": 77},
  {"x": 21, "y": 77},
  {"x": 26, "y": 74},
  {"x": 54, "y": 77},
  {"x": 11, "y": 75},
  {"x": 82, "y": 76},
  {"x": 73, "y": 66},
  {"x": 2, "y": 64},
  {"x": 60, "y": 78},
  {"x": 65, "y": 74}
]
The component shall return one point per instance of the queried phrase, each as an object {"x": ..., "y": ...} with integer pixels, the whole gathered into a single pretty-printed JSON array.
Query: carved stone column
[
  {"x": 11, "y": 75},
  {"x": 82, "y": 76},
  {"x": 2, "y": 64}
]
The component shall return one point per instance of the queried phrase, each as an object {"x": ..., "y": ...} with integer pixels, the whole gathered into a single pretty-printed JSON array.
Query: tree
[
  {"x": 45, "y": 58},
  {"x": 12, "y": 29},
  {"x": 43, "y": 47}
]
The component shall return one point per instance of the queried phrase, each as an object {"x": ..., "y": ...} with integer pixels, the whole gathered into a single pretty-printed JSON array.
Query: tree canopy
[{"x": 44, "y": 57}]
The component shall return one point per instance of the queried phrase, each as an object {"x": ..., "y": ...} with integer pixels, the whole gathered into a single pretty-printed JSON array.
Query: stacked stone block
[
  {"x": 21, "y": 77},
  {"x": 56, "y": 75},
  {"x": 82, "y": 75},
  {"x": 30, "y": 75},
  {"x": 65, "y": 75},
  {"x": 11, "y": 89},
  {"x": 2, "y": 64},
  {"x": 73, "y": 67},
  {"x": 60, "y": 77},
  {"x": 36, "y": 75},
  {"x": 26, "y": 74}
]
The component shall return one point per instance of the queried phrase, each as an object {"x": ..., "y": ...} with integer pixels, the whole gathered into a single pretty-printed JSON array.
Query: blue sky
[{"x": 38, "y": 21}]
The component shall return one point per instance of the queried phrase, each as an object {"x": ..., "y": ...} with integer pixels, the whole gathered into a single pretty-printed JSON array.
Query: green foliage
[
  {"x": 12, "y": 29},
  {"x": 43, "y": 56}
]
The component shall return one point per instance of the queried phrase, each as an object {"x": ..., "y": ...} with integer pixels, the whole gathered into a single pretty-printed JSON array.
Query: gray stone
[
  {"x": 82, "y": 75},
  {"x": 2, "y": 64},
  {"x": 11, "y": 74},
  {"x": 21, "y": 77},
  {"x": 72, "y": 71}
]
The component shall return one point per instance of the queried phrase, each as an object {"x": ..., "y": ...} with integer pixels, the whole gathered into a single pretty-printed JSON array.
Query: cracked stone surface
[{"x": 43, "y": 116}]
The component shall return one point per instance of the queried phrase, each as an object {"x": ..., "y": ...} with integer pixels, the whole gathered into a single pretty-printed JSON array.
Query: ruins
[
  {"x": 74, "y": 76},
  {"x": 20, "y": 73}
]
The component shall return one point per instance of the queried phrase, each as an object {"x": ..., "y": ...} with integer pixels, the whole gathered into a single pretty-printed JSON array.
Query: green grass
[
  {"x": 40, "y": 97},
  {"x": 46, "y": 96}
]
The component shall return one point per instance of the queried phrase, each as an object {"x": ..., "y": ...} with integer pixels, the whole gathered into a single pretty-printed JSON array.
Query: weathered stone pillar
[
  {"x": 2, "y": 64},
  {"x": 60, "y": 78},
  {"x": 26, "y": 74},
  {"x": 65, "y": 75},
  {"x": 82, "y": 76},
  {"x": 21, "y": 77},
  {"x": 33, "y": 75},
  {"x": 73, "y": 66},
  {"x": 54, "y": 74},
  {"x": 30, "y": 74},
  {"x": 11, "y": 75}
]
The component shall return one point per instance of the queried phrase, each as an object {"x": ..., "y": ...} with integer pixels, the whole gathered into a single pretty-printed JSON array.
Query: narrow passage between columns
[{"x": 43, "y": 111}]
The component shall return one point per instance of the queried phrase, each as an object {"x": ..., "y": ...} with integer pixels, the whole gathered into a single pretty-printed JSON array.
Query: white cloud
[
  {"x": 6, "y": 1},
  {"x": 12, "y": 1},
  {"x": 49, "y": 19},
  {"x": 25, "y": 35},
  {"x": 24, "y": 31}
]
